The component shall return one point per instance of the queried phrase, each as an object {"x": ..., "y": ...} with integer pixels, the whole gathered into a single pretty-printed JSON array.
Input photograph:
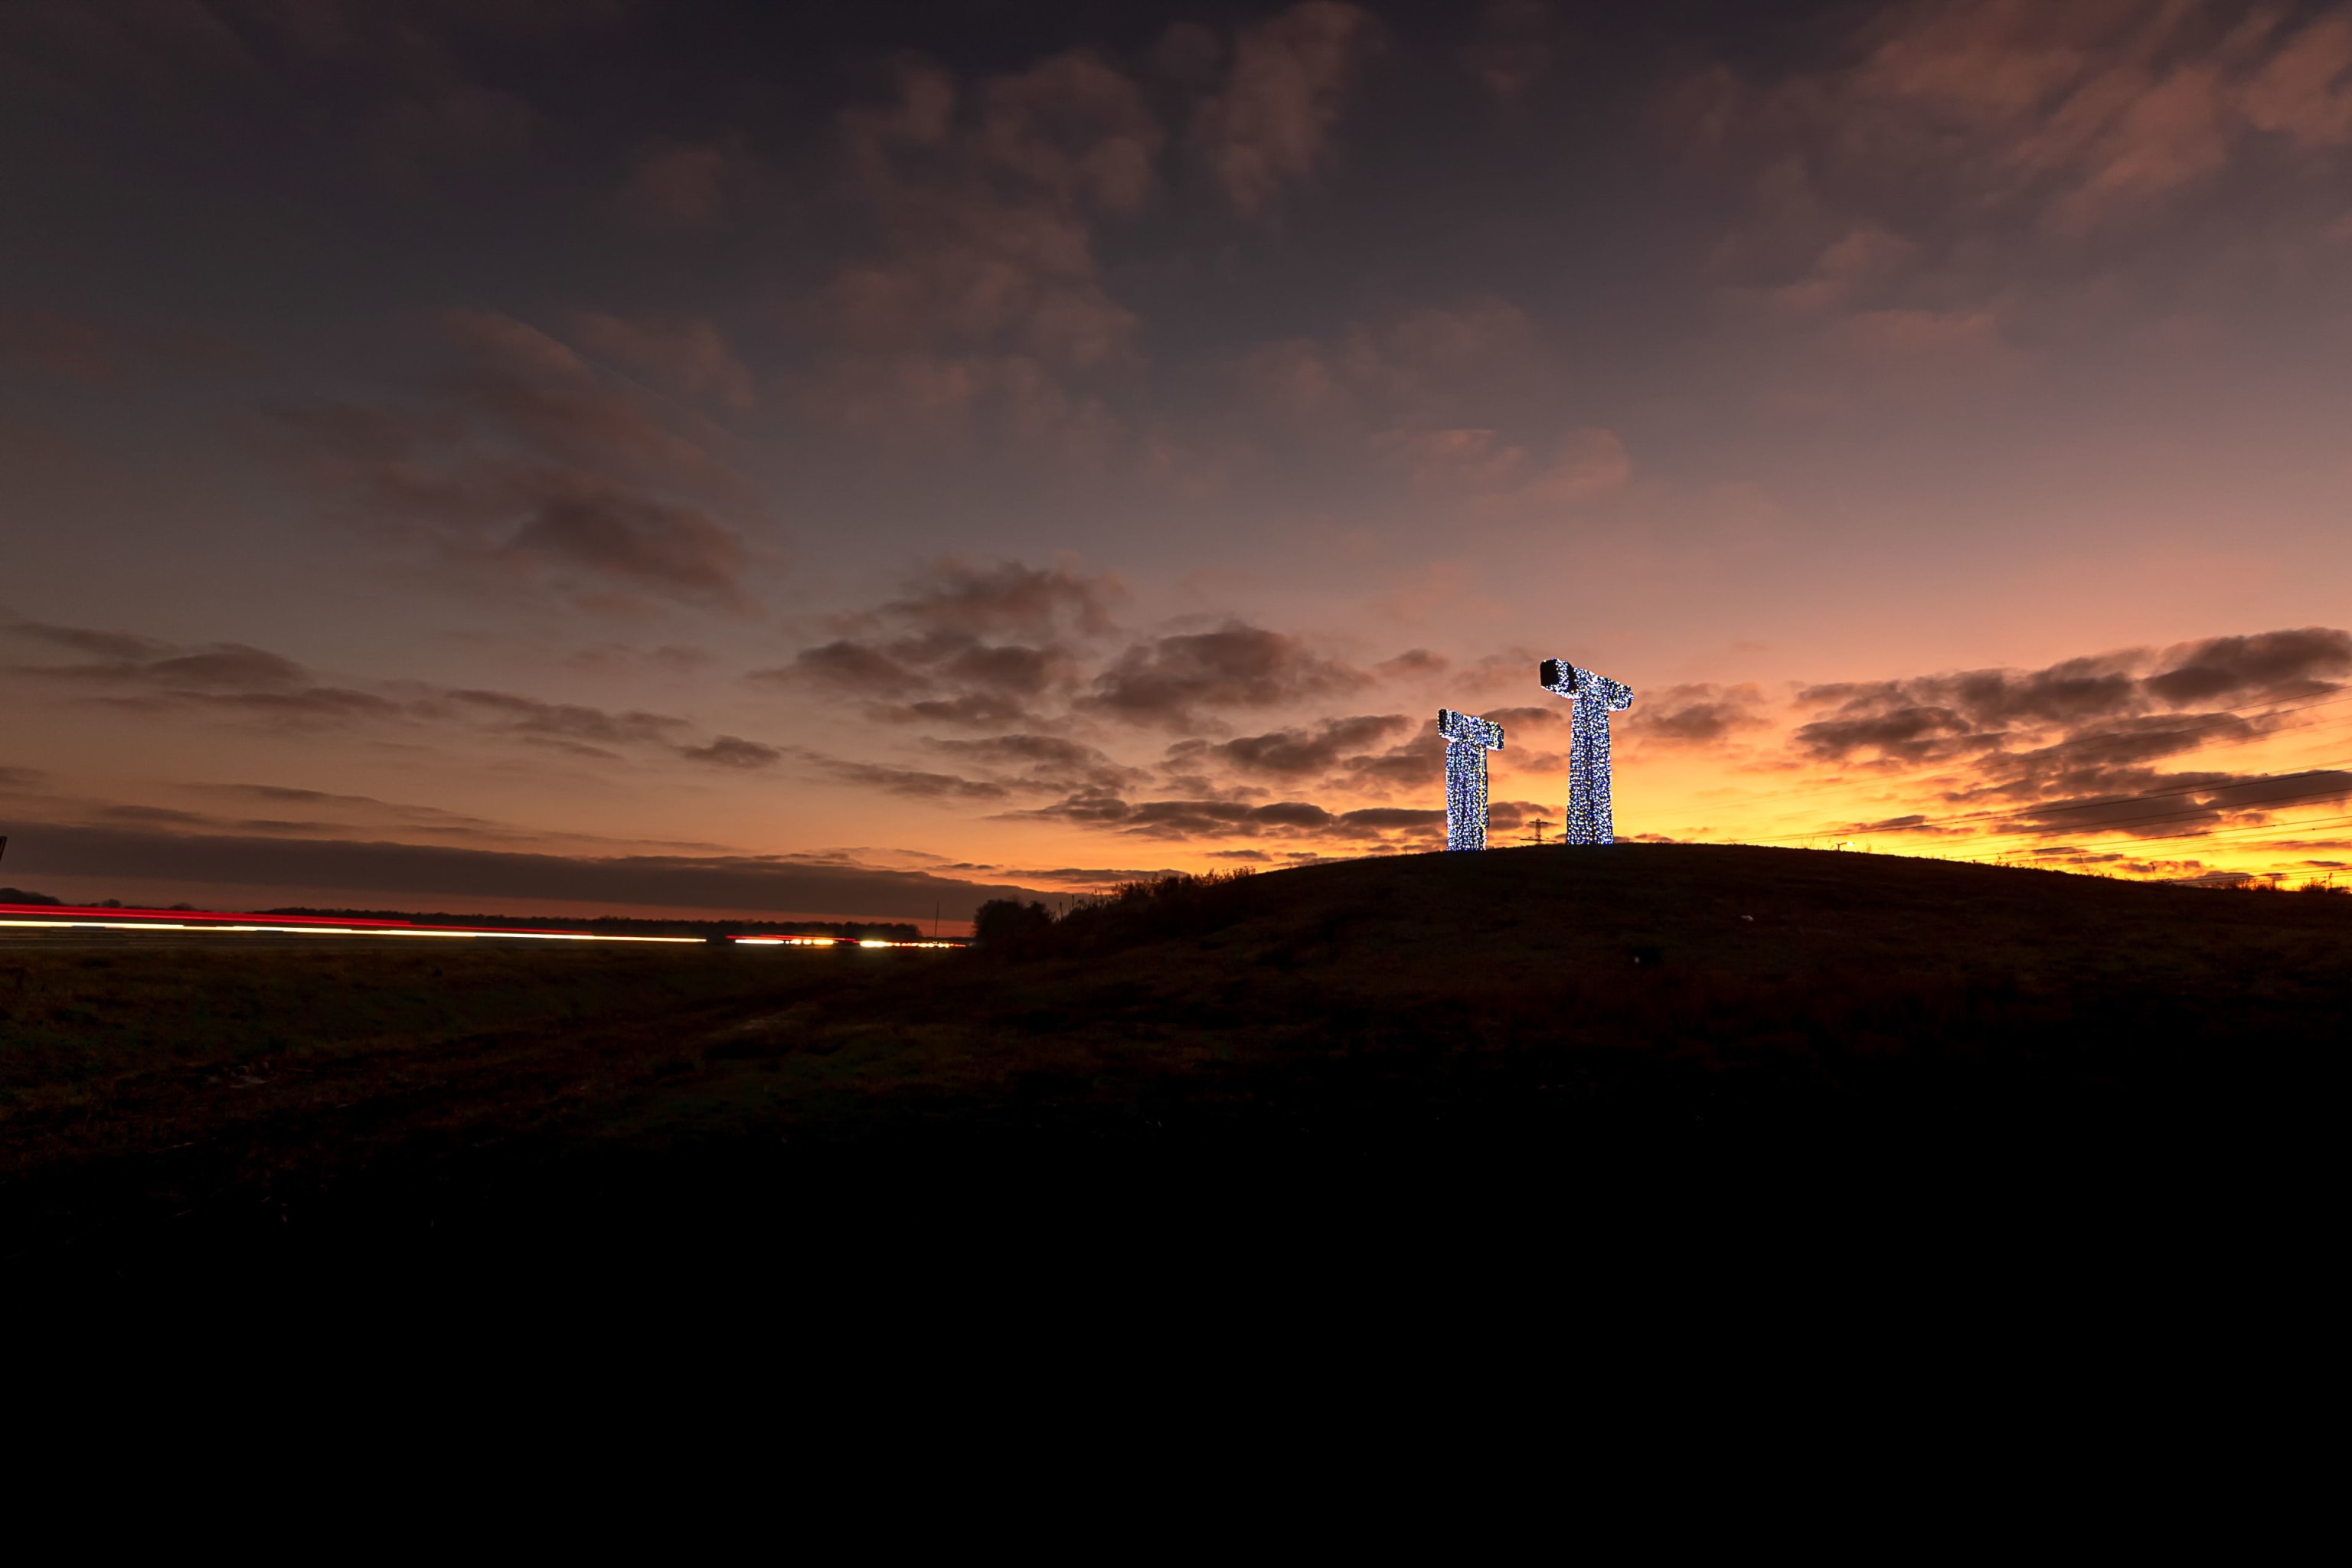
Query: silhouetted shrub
[
  {"x": 1008, "y": 925},
  {"x": 1156, "y": 910}
]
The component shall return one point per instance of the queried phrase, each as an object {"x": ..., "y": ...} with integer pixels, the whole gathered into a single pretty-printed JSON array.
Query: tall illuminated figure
[
  {"x": 1589, "y": 819},
  {"x": 1467, "y": 741}
]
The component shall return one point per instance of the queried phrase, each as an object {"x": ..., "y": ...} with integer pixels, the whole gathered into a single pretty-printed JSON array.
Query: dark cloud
[
  {"x": 1549, "y": 716},
  {"x": 968, "y": 645},
  {"x": 378, "y": 874},
  {"x": 1909, "y": 736},
  {"x": 673, "y": 548},
  {"x": 684, "y": 353},
  {"x": 1936, "y": 717},
  {"x": 1086, "y": 877},
  {"x": 312, "y": 706},
  {"x": 910, "y": 783},
  {"x": 528, "y": 716},
  {"x": 2070, "y": 693},
  {"x": 115, "y": 649},
  {"x": 1008, "y": 667},
  {"x": 289, "y": 793},
  {"x": 405, "y": 819},
  {"x": 984, "y": 292},
  {"x": 366, "y": 805},
  {"x": 1389, "y": 819},
  {"x": 845, "y": 666},
  {"x": 1411, "y": 663},
  {"x": 2187, "y": 804},
  {"x": 962, "y": 600},
  {"x": 1044, "y": 761},
  {"x": 1908, "y": 822},
  {"x": 1194, "y": 819},
  {"x": 1210, "y": 818},
  {"x": 230, "y": 680},
  {"x": 2063, "y": 121},
  {"x": 1175, "y": 680},
  {"x": 526, "y": 464},
  {"x": 231, "y": 666},
  {"x": 731, "y": 751},
  {"x": 117, "y": 655},
  {"x": 1274, "y": 122},
  {"x": 2110, "y": 759},
  {"x": 528, "y": 385},
  {"x": 669, "y": 660},
  {"x": 1510, "y": 816},
  {"x": 944, "y": 655},
  {"x": 2136, "y": 802},
  {"x": 156, "y": 813},
  {"x": 1027, "y": 752},
  {"x": 253, "y": 685},
  {"x": 2072, "y": 748},
  {"x": 2269, "y": 666},
  {"x": 1411, "y": 764},
  {"x": 973, "y": 711},
  {"x": 1296, "y": 752},
  {"x": 977, "y": 687},
  {"x": 1694, "y": 715}
]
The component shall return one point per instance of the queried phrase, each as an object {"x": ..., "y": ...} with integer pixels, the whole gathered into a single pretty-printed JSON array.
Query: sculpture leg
[
  {"x": 1589, "y": 818},
  {"x": 1604, "y": 815},
  {"x": 1576, "y": 826},
  {"x": 1465, "y": 796}
]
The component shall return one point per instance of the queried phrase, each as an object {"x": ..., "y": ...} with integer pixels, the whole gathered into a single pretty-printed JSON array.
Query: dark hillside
[{"x": 1525, "y": 1028}]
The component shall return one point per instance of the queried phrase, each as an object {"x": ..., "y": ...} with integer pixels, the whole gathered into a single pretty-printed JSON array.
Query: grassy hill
[{"x": 1521, "y": 1025}]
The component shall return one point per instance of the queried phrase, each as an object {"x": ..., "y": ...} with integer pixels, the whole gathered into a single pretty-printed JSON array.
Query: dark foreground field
[{"x": 1547, "y": 1042}]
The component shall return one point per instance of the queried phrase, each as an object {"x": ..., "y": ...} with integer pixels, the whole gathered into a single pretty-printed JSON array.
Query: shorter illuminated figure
[
  {"x": 1589, "y": 819},
  {"x": 1467, "y": 741}
]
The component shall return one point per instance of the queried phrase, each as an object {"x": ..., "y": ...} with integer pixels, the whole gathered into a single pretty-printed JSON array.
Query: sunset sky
[{"x": 569, "y": 455}]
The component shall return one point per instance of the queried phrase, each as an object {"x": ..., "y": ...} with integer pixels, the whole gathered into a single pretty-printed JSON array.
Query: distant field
[{"x": 1522, "y": 1011}]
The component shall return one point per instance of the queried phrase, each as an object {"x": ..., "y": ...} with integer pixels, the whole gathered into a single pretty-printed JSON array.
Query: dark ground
[{"x": 1373, "y": 1064}]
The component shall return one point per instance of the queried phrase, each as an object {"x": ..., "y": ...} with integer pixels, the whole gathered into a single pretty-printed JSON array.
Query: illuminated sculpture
[
  {"x": 1590, "y": 820},
  {"x": 1467, "y": 741}
]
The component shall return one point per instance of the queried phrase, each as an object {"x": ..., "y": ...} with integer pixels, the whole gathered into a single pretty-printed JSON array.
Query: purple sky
[{"x": 721, "y": 456}]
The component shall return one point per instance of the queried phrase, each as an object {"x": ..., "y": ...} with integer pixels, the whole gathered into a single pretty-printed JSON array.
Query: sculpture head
[
  {"x": 1562, "y": 679},
  {"x": 1470, "y": 729}
]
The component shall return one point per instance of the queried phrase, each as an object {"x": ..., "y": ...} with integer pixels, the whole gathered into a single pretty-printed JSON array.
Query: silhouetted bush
[
  {"x": 1008, "y": 925},
  {"x": 1133, "y": 912},
  {"x": 1157, "y": 911}
]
